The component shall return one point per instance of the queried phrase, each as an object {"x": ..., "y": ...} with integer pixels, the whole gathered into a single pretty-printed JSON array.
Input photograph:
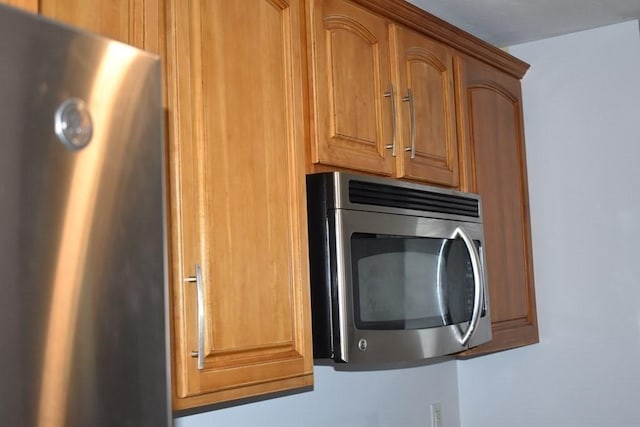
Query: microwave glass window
[{"x": 410, "y": 282}]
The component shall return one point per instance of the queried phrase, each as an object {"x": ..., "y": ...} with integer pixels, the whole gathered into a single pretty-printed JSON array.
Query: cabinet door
[
  {"x": 427, "y": 139},
  {"x": 351, "y": 82},
  {"x": 494, "y": 153},
  {"x": 237, "y": 199}
]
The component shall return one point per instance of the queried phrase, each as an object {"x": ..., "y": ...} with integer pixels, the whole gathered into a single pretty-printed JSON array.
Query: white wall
[
  {"x": 392, "y": 398},
  {"x": 582, "y": 124}
]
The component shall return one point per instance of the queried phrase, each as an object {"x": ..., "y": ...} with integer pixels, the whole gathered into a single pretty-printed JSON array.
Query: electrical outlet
[{"x": 436, "y": 414}]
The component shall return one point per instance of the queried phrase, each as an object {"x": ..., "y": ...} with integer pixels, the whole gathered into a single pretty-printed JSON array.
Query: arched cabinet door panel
[
  {"x": 426, "y": 104},
  {"x": 351, "y": 80},
  {"x": 494, "y": 152}
]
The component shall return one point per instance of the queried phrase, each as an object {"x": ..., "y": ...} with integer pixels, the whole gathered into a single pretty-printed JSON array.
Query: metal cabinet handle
[
  {"x": 478, "y": 280},
  {"x": 412, "y": 112},
  {"x": 391, "y": 94},
  {"x": 197, "y": 279}
]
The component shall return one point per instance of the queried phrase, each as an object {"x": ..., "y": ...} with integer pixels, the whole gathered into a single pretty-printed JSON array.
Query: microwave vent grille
[{"x": 370, "y": 193}]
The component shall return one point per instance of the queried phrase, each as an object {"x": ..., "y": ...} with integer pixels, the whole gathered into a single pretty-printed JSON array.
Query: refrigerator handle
[{"x": 197, "y": 279}]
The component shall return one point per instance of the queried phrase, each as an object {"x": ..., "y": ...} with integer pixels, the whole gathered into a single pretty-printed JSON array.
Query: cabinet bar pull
[
  {"x": 412, "y": 111},
  {"x": 391, "y": 94},
  {"x": 197, "y": 279}
]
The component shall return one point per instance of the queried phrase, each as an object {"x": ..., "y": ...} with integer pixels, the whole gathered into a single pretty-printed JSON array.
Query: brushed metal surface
[
  {"x": 392, "y": 96},
  {"x": 199, "y": 282},
  {"x": 385, "y": 346},
  {"x": 82, "y": 271}
]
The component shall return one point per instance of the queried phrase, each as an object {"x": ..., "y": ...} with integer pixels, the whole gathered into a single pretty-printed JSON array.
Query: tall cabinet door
[
  {"x": 428, "y": 145},
  {"x": 239, "y": 279},
  {"x": 492, "y": 122},
  {"x": 351, "y": 87}
]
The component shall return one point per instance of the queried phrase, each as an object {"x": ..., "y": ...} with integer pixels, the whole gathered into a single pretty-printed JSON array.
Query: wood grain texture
[
  {"x": 492, "y": 129},
  {"x": 28, "y": 5},
  {"x": 236, "y": 113},
  {"x": 425, "y": 68},
  {"x": 350, "y": 71}
]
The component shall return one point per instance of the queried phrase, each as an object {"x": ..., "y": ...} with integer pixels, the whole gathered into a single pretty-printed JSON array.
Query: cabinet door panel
[
  {"x": 495, "y": 143},
  {"x": 351, "y": 73},
  {"x": 354, "y": 117},
  {"x": 239, "y": 198},
  {"x": 426, "y": 69}
]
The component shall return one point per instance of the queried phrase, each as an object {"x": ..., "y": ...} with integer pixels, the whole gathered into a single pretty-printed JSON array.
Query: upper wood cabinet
[
  {"x": 426, "y": 146},
  {"x": 351, "y": 75},
  {"x": 451, "y": 108},
  {"x": 382, "y": 96},
  {"x": 237, "y": 199},
  {"x": 29, "y": 5},
  {"x": 495, "y": 167}
]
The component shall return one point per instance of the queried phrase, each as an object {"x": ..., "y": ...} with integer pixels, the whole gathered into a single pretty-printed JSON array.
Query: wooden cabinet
[
  {"x": 237, "y": 199},
  {"x": 382, "y": 96},
  {"x": 427, "y": 148},
  {"x": 351, "y": 75},
  {"x": 495, "y": 167}
]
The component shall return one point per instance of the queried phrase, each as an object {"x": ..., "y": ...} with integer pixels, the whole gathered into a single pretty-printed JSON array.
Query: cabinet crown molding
[{"x": 422, "y": 21}]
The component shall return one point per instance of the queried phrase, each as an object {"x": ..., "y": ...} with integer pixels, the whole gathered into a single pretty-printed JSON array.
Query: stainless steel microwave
[{"x": 397, "y": 269}]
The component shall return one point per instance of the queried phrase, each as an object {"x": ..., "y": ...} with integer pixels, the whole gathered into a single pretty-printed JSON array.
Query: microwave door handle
[{"x": 477, "y": 281}]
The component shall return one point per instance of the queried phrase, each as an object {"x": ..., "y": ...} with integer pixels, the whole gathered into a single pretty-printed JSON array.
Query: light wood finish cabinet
[
  {"x": 237, "y": 199},
  {"x": 383, "y": 96},
  {"x": 468, "y": 130},
  {"x": 495, "y": 167},
  {"x": 351, "y": 75},
  {"x": 427, "y": 145}
]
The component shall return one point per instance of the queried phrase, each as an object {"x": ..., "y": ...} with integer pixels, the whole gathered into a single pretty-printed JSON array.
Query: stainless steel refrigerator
[{"x": 82, "y": 258}]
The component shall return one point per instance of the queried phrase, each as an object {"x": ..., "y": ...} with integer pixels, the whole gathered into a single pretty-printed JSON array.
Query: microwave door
[{"x": 399, "y": 286}]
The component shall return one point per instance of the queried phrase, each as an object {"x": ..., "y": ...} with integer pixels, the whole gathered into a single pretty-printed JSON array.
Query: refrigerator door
[{"x": 82, "y": 259}]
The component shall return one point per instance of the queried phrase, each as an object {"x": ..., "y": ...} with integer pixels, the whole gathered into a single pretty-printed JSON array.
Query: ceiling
[{"x": 509, "y": 22}]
